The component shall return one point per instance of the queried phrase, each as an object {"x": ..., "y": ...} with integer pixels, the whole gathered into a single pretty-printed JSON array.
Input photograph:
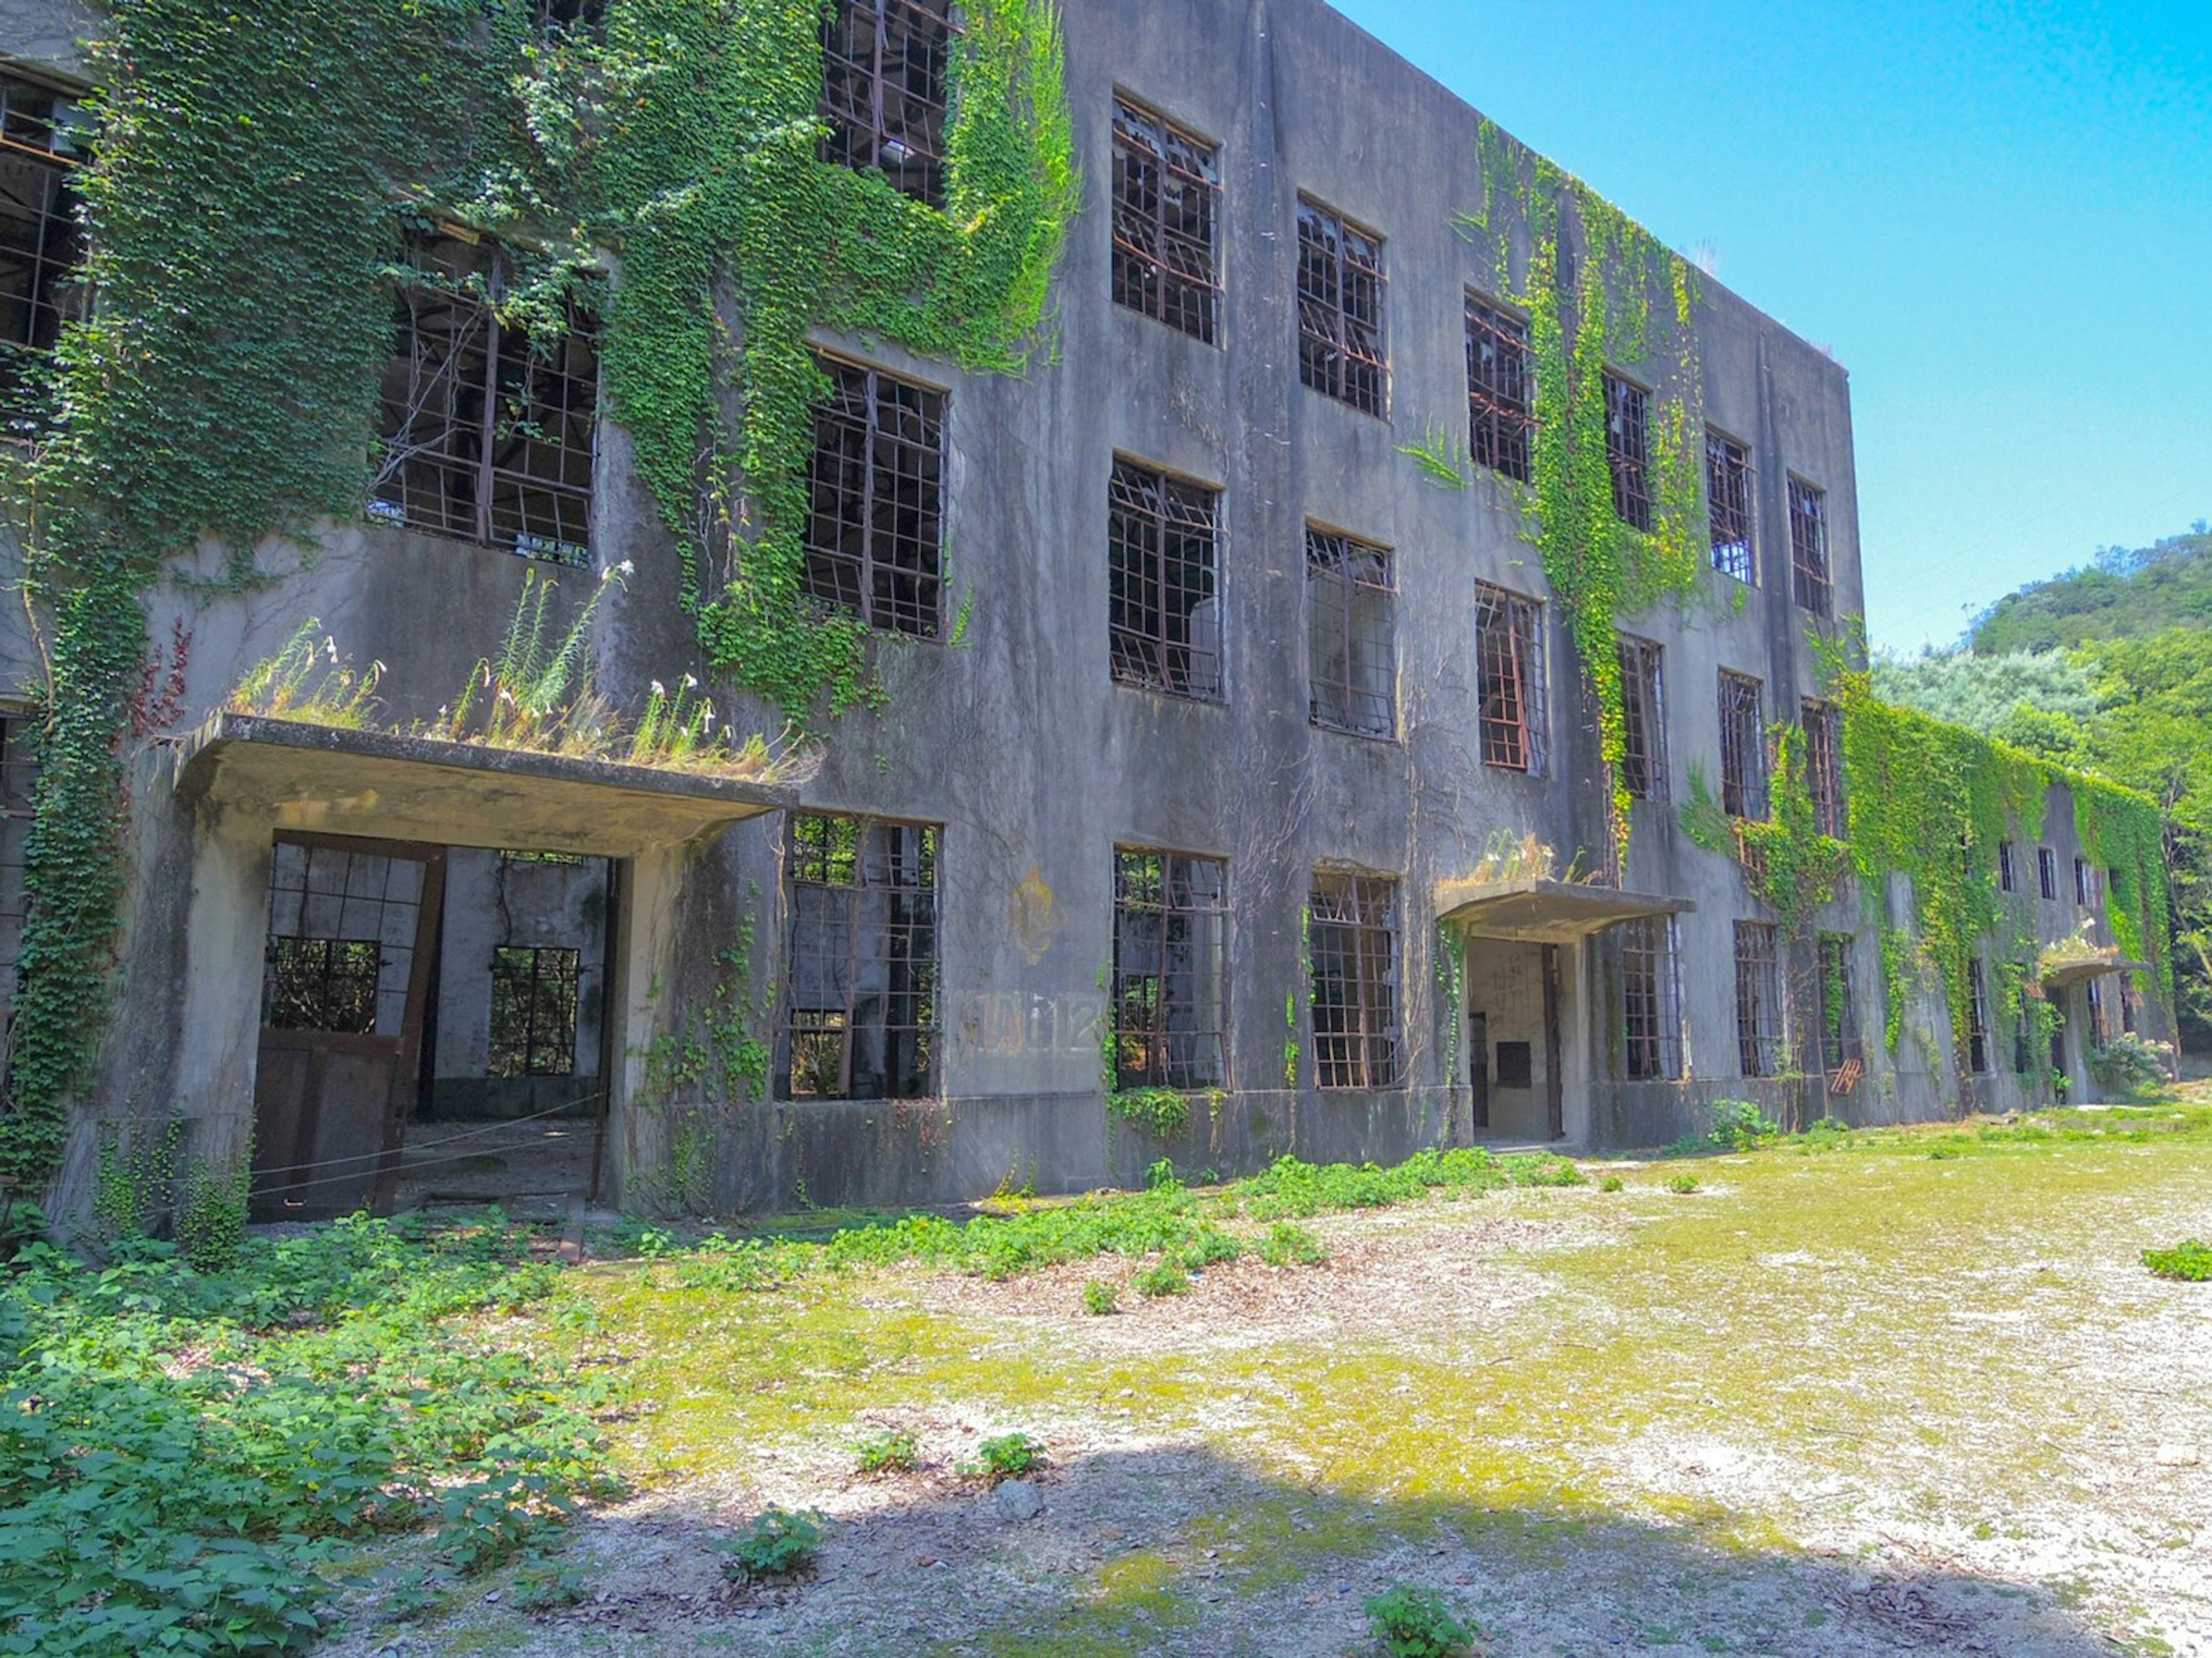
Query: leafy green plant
[
  {"x": 894, "y": 1450},
  {"x": 1009, "y": 1456},
  {"x": 1162, "y": 1277},
  {"x": 1286, "y": 1245},
  {"x": 1411, "y": 1622},
  {"x": 1611, "y": 1183},
  {"x": 2190, "y": 1262},
  {"x": 1162, "y": 1113},
  {"x": 1740, "y": 1125},
  {"x": 1684, "y": 1184},
  {"x": 1100, "y": 1299},
  {"x": 778, "y": 1544},
  {"x": 2130, "y": 1063}
]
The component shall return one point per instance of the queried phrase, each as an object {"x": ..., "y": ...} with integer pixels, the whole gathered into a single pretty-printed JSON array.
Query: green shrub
[
  {"x": 1007, "y": 1457},
  {"x": 1611, "y": 1183},
  {"x": 2131, "y": 1064},
  {"x": 1684, "y": 1184},
  {"x": 1740, "y": 1125},
  {"x": 1286, "y": 1245},
  {"x": 892, "y": 1451},
  {"x": 1417, "y": 1622},
  {"x": 777, "y": 1543},
  {"x": 1162, "y": 1113},
  {"x": 1163, "y": 1278},
  {"x": 1100, "y": 1299},
  {"x": 2190, "y": 1262}
]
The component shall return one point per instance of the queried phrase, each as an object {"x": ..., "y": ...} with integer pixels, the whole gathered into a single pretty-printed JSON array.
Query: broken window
[
  {"x": 1743, "y": 748},
  {"x": 1728, "y": 502},
  {"x": 1167, "y": 202},
  {"x": 533, "y": 1012},
  {"x": 1509, "y": 680},
  {"x": 860, "y": 977},
  {"x": 1628, "y": 448},
  {"x": 42, "y": 245},
  {"x": 1340, "y": 349},
  {"x": 322, "y": 984},
  {"x": 19, "y": 779},
  {"x": 341, "y": 935},
  {"x": 1809, "y": 548},
  {"x": 1824, "y": 772},
  {"x": 875, "y": 521},
  {"x": 2006, "y": 878},
  {"x": 1352, "y": 952},
  {"x": 1650, "y": 998},
  {"x": 1977, "y": 1020},
  {"x": 1644, "y": 719},
  {"x": 1351, "y": 651},
  {"x": 2046, "y": 868},
  {"x": 1164, "y": 610},
  {"x": 1838, "y": 1006},
  {"x": 486, "y": 429},
  {"x": 883, "y": 64},
  {"x": 1170, "y": 970},
  {"x": 1758, "y": 1000},
  {"x": 1501, "y": 389}
]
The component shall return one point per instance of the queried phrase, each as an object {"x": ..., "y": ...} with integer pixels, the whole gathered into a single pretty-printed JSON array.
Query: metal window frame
[
  {"x": 1823, "y": 724},
  {"x": 1628, "y": 448},
  {"x": 1759, "y": 1031},
  {"x": 1512, "y": 697},
  {"x": 1169, "y": 896},
  {"x": 548, "y": 1044},
  {"x": 39, "y": 149},
  {"x": 1184, "y": 294},
  {"x": 1977, "y": 1018},
  {"x": 2008, "y": 877},
  {"x": 909, "y": 152},
  {"x": 1343, "y": 348},
  {"x": 1643, "y": 718},
  {"x": 1155, "y": 521},
  {"x": 874, "y": 546},
  {"x": 1650, "y": 951},
  {"x": 1352, "y": 925},
  {"x": 1501, "y": 389},
  {"x": 1743, "y": 746},
  {"x": 1837, "y": 1030},
  {"x": 1333, "y": 579},
  {"x": 2046, "y": 871},
  {"x": 1811, "y": 576},
  {"x": 1732, "y": 525}
]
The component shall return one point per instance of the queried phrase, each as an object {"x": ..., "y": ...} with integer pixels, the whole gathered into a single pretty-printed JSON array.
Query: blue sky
[{"x": 1997, "y": 215}]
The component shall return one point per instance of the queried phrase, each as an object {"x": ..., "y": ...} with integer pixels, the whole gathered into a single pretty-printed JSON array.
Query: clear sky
[{"x": 1997, "y": 215}]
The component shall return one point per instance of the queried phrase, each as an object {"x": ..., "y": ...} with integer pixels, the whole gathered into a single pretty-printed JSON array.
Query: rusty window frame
[
  {"x": 1343, "y": 352},
  {"x": 1171, "y": 986},
  {"x": 1758, "y": 1000},
  {"x": 875, "y": 517},
  {"x": 1743, "y": 747},
  {"x": 1513, "y": 718},
  {"x": 489, "y": 434},
  {"x": 1643, "y": 718},
  {"x": 1824, "y": 772},
  {"x": 1167, "y": 219},
  {"x": 1650, "y": 999},
  {"x": 1501, "y": 389},
  {"x": 1352, "y": 652},
  {"x": 534, "y": 995},
  {"x": 1836, "y": 1000},
  {"x": 1628, "y": 448},
  {"x": 1728, "y": 506},
  {"x": 1352, "y": 942},
  {"x": 2008, "y": 877},
  {"x": 859, "y": 1005},
  {"x": 2046, "y": 870},
  {"x": 1977, "y": 1020},
  {"x": 1162, "y": 558},
  {"x": 42, "y": 245},
  {"x": 885, "y": 76},
  {"x": 1809, "y": 548}
]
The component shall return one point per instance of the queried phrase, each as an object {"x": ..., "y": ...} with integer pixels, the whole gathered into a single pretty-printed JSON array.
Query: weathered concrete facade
[{"x": 1033, "y": 765}]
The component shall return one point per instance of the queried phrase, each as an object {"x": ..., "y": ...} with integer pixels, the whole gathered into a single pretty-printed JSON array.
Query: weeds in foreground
[
  {"x": 1286, "y": 1245},
  {"x": 778, "y": 1544},
  {"x": 1009, "y": 1456},
  {"x": 892, "y": 1451},
  {"x": 1161, "y": 1280},
  {"x": 2190, "y": 1262},
  {"x": 1682, "y": 1184},
  {"x": 1418, "y": 1623},
  {"x": 1099, "y": 1298}
]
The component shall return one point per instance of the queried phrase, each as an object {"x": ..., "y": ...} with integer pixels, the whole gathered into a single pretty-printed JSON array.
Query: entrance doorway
[{"x": 1516, "y": 1058}]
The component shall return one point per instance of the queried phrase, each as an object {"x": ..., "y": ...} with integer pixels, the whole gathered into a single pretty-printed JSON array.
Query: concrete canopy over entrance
[
  {"x": 1540, "y": 912},
  {"x": 2070, "y": 974}
]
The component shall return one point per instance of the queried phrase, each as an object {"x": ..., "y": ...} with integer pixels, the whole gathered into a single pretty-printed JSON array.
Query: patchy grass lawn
[{"x": 1910, "y": 1390}]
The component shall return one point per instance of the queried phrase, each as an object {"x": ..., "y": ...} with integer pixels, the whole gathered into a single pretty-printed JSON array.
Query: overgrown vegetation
[
  {"x": 777, "y": 1543},
  {"x": 2190, "y": 1262},
  {"x": 1411, "y": 1622},
  {"x": 1008, "y": 1456}
]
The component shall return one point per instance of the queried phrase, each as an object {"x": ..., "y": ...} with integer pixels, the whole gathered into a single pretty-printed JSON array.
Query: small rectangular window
[
  {"x": 1516, "y": 1065},
  {"x": 884, "y": 79},
  {"x": 1743, "y": 747},
  {"x": 534, "y": 1012},
  {"x": 1650, "y": 999},
  {"x": 1501, "y": 389},
  {"x": 1353, "y": 945},
  {"x": 2046, "y": 868},
  {"x": 1340, "y": 285},
  {"x": 1643, "y": 719},
  {"x": 1167, "y": 205},
  {"x": 2008, "y": 878},
  {"x": 1170, "y": 970},
  {"x": 1809, "y": 548},
  {"x": 2100, "y": 1032},
  {"x": 875, "y": 521},
  {"x": 42, "y": 245},
  {"x": 1351, "y": 649},
  {"x": 1508, "y": 653},
  {"x": 1164, "y": 601},
  {"x": 1758, "y": 1000},
  {"x": 1728, "y": 501},
  {"x": 1628, "y": 448},
  {"x": 1839, "y": 1034},
  {"x": 2085, "y": 884},
  {"x": 1977, "y": 1020},
  {"x": 1824, "y": 771},
  {"x": 861, "y": 969}
]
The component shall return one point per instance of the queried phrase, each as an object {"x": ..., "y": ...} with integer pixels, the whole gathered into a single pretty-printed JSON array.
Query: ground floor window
[
  {"x": 533, "y": 1010},
  {"x": 1352, "y": 954},
  {"x": 1838, "y": 1003},
  {"x": 1170, "y": 970},
  {"x": 1758, "y": 1000},
  {"x": 1651, "y": 998},
  {"x": 1977, "y": 1020}
]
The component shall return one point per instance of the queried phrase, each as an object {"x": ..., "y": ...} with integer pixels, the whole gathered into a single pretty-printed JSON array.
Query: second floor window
[
  {"x": 1350, "y": 653},
  {"x": 488, "y": 430},
  {"x": 1809, "y": 548},
  {"x": 1509, "y": 661},
  {"x": 875, "y": 519},
  {"x": 1758, "y": 1000},
  {"x": 2008, "y": 878},
  {"x": 883, "y": 64},
  {"x": 2046, "y": 870},
  {"x": 1743, "y": 748},
  {"x": 1170, "y": 970},
  {"x": 1644, "y": 719},
  {"x": 1341, "y": 346},
  {"x": 1167, "y": 205},
  {"x": 1352, "y": 953},
  {"x": 1728, "y": 505},
  {"x": 41, "y": 243},
  {"x": 1163, "y": 615},
  {"x": 1501, "y": 389},
  {"x": 1824, "y": 771},
  {"x": 1628, "y": 448}
]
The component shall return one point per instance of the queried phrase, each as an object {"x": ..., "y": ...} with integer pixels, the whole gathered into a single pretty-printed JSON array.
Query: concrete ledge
[{"x": 1531, "y": 911}]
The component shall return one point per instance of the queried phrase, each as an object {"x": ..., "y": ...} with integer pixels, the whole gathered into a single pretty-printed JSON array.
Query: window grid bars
[
  {"x": 875, "y": 528},
  {"x": 884, "y": 80},
  {"x": 1743, "y": 748},
  {"x": 1340, "y": 292},
  {"x": 1170, "y": 970},
  {"x": 1353, "y": 940},
  {"x": 1824, "y": 772},
  {"x": 1977, "y": 1020},
  {"x": 1651, "y": 998},
  {"x": 1501, "y": 379},
  {"x": 1758, "y": 1000},
  {"x": 1352, "y": 650},
  {"x": 1509, "y": 680},
  {"x": 1838, "y": 1002},
  {"x": 1643, "y": 719},
  {"x": 533, "y": 1010},
  {"x": 1628, "y": 449},
  {"x": 1167, "y": 206},
  {"x": 1728, "y": 502},
  {"x": 1809, "y": 548},
  {"x": 1164, "y": 613}
]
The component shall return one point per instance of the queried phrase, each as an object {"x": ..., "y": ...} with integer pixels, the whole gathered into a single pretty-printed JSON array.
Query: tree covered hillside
[{"x": 2126, "y": 593}]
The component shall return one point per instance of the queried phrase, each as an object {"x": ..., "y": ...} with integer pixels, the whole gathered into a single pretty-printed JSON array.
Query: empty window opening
[
  {"x": 2008, "y": 878},
  {"x": 883, "y": 76},
  {"x": 1824, "y": 772},
  {"x": 1340, "y": 343},
  {"x": 1170, "y": 970},
  {"x": 2086, "y": 883},
  {"x": 1628, "y": 448},
  {"x": 875, "y": 520},
  {"x": 1164, "y": 610},
  {"x": 2099, "y": 1015},
  {"x": 1644, "y": 719},
  {"x": 861, "y": 983},
  {"x": 486, "y": 429},
  {"x": 1509, "y": 680},
  {"x": 1350, "y": 648},
  {"x": 1758, "y": 1000},
  {"x": 2046, "y": 870},
  {"x": 42, "y": 245},
  {"x": 1517, "y": 1065},
  {"x": 1838, "y": 1004},
  {"x": 1809, "y": 548},
  {"x": 1977, "y": 1020},
  {"x": 1353, "y": 940},
  {"x": 533, "y": 1010},
  {"x": 1651, "y": 998},
  {"x": 1501, "y": 389},
  {"x": 1167, "y": 206},
  {"x": 1728, "y": 503},
  {"x": 1743, "y": 747}
]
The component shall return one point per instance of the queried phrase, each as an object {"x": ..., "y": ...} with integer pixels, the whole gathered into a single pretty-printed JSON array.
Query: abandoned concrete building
[{"x": 1236, "y": 721}]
